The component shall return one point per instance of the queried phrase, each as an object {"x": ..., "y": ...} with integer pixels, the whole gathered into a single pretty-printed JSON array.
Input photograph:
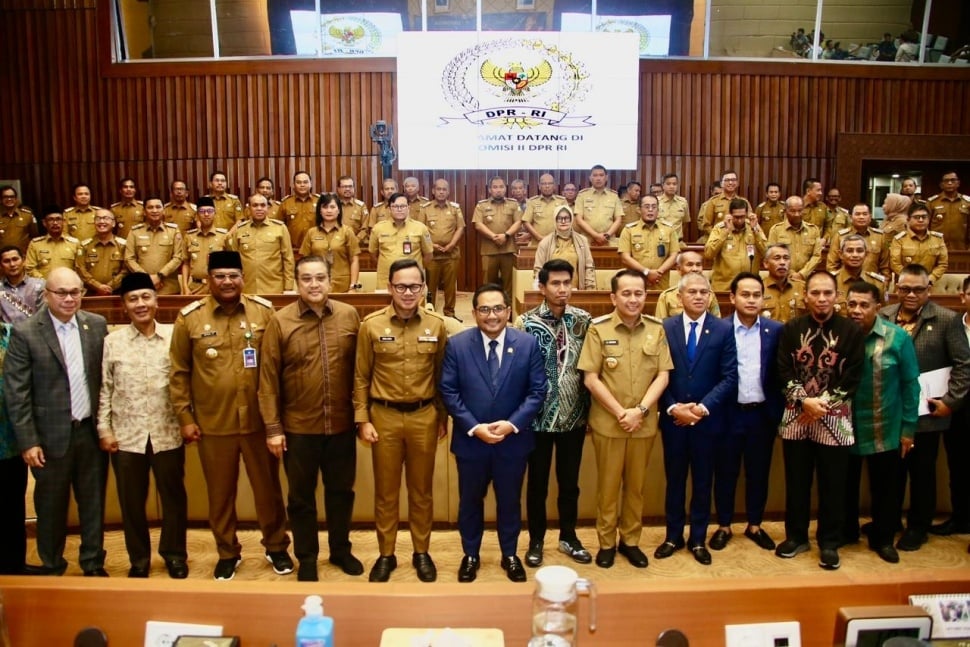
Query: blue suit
[
  {"x": 751, "y": 432},
  {"x": 712, "y": 380},
  {"x": 467, "y": 391}
]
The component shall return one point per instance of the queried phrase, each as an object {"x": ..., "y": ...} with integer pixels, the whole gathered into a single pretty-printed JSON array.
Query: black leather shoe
[
  {"x": 911, "y": 540},
  {"x": 96, "y": 572},
  {"x": 137, "y": 572},
  {"x": 33, "y": 569},
  {"x": 307, "y": 571},
  {"x": 381, "y": 571},
  {"x": 468, "y": 570},
  {"x": 633, "y": 554},
  {"x": 178, "y": 569},
  {"x": 950, "y": 527},
  {"x": 887, "y": 553},
  {"x": 533, "y": 556},
  {"x": 425, "y": 567},
  {"x": 667, "y": 549},
  {"x": 701, "y": 555},
  {"x": 513, "y": 568},
  {"x": 759, "y": 537},
  {"x": 720, "y": 539},
  {"x": 347, "y": 563},
  {"x": 605, "y": 557}
]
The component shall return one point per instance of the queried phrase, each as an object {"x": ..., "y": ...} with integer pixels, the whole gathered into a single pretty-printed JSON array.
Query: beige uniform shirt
[
  {"x": 273, "y": 211},
  {"x": 950, "y": 217},
  {"x": 135, "y": 404},
  {"x": 397, "y": 360},
  {"x": 354, "y": 214},
  {"x": 378, "y": 213},
  {"x": 414, "y": 206},
  {"x": 299, "y": 215},
  {"x": 714, "y": 211},
  {"x": 816, "y": 214},
  {"x": 835, "y": 220},
  {"x": 540, "y": 212},
  {"x": 631, "y": 211},
  {"x": 127, "y": 215},
  {"x": 675, "y": 212},
  {"x": 17, "y": 228},
  {"x": 183, "y": 215},
  {"x": 198, "y": 246},
  {"x": 929, "y": 251},
  {"x": 267, "y": 256},
  {"x": 877, "y": 250},
  {"x": 733, "y": 252},
  {"x": 156, "y": 251},
  {"x": 769, "y": 214},
  {"x": 784, "y": 302},
  {"x": 498, "y": 217},
  {"x": 228, "y": 210},
  {"x": 599, "y": 208},
  {"x": 80, "y": 222},
  {"x": 804, "y": 244},
  {"x": 627, "y": 361},
  {"x": 442, "y": 221},
  {"x": 669, "y": 304},
  {"x": 102, "y": 263},
  {"x": 44, "y": 254},
  {"x": 650, "y": 246},
  {"x": 211, "y": 385},
  {"x": 389, "y": 242},
  {"x": 844, "y": 280},
  {"x": 338, "y": 246}
]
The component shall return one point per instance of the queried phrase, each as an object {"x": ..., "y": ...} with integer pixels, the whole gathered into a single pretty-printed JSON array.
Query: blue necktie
[
  {"x": 493, "y": 362},
  {"x": 692, "y": 341}
]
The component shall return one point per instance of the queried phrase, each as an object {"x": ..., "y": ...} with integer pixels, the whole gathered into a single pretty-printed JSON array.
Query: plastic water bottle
[{"x": 315, "y": 629}]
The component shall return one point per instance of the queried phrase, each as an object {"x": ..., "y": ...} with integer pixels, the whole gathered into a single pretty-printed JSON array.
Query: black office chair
[
  {"x": 90, "y": 637},
  {"x": 672, "y": 638}
]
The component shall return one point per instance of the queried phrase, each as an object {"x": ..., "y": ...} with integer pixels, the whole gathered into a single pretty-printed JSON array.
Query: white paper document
[{"x": 932, "y": 384}]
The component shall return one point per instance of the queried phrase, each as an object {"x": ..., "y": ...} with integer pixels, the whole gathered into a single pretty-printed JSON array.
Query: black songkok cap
[
  {"x": 225, "y": 261},
  {"x": 205, "y": 201},
  {"x": 136, "y": 281}
]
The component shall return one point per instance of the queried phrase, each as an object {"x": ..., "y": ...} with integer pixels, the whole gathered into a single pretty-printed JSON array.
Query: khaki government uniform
[
  {"x": 631, "y": 211},
  {"x": 198, "y": 246},
  {"x": 156, "y": 251},
  {"x": 949, "y": 217},
  {"x": 651, "y": 246},
  {"x": 102, "y": 263},
  {"x": 817, "y": 214},
  {"x": 45, "y": 253},
  {"x": 676, "y": 212},
  {"x": 228, "y": 210},
  {"x": 267, "y": 256},
  {"x": 354, "y": 214},
  {"x": 80, "y": 222},
  {"x": 395, "y": 388},
  {"x": 272, "y": 212},
  {"x": 211, "y": 387},
  {"x": 183, "y": 215},
  {"x": 498, "y": 217},
  {"x": 127, "y": 215},
  {"x": 18, "y": 228},
  {"x": 844, "y": 280},
  {"x": 414, "y": 206},
  {"x": 442, "y": 221},
  {"x": 929, "y": 251},
  {"x": 733, "y": 252},
  {"x": 877, "y": 250},
  {"x": 670, "y": 305},
  {"x": 769, "y": 214},
  {"x": 836, "y": 220},
  {"x": 390, "y": 242},
  {"x": 599, "y": 209},
  {"x": 338, "y": 246},
  {"x": 804, "y": 244},
  {"x": 300, "y": 216},
  {"x": 378, "y": 213},
  {"x": 627, "y": 362},
  {"x": 715, "y": 211},
  {"x": 784, "y": 302},
  {"x": 540, "y": 212}
]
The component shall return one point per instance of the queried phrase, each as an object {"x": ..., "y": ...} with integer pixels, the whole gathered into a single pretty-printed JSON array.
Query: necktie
[
  {"x": 692, "y": 341},
  {"x": 80, "y": 400},
  {"x": 493, "y": 362}
]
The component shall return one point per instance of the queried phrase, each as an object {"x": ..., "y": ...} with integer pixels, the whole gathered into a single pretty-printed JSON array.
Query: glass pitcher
[{"x": 555, "y": 609}]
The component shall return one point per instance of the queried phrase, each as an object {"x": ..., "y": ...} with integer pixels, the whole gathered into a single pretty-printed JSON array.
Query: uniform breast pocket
[
  {"x": 612, "y": 355},
  {"x": 389, "y": 347},
  {"x": 651, "y": 354},
  {"x": 427, "y": 347},
  {"x": 65, "y": 256}
]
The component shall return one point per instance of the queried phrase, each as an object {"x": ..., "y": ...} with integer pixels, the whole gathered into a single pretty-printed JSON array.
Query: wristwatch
[
  {"x": 357, "y": 286},
  {"x": 642, "y": 409}
]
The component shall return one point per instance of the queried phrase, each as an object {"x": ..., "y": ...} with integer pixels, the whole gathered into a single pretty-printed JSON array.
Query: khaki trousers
[{"x": 621, "y": 465}]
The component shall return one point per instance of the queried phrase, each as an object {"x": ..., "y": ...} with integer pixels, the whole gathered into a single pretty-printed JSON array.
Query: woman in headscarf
[
  {"x": 566, "y": 244},
  {"x": 894, "y": 214}
]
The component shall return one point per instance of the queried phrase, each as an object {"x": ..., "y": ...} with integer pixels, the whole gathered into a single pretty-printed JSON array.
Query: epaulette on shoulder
[
  {"x": 192, "y": 231},
  {"x": 195, "y": 305},
  {"x": 665, "y": 223},
  {"x": 25, "y": 209},
  {"x": 243, "y": 223},
  {"x": 359, "y": 203},
  {"x": 276, "y": 221},
  {"x": 721, "y": 224},
  {"x": 844, "y": 231},
  {"x": 632, "y": 224},
  {"x": 115, "y": 204},
  {"x": 425, "y": 204},
  {"x": 454, "y": 204},
  {"x": 72, "y": 239},
  {"x": 901, "y": 234},
  {"x": 379, "y": 204},
  {"x": 964, "y": 196},
  {"x": 876, "y": 230},
  {"x": 38, "y": 239},
  {"x": 121, "y": 241},
  {"x": 932, "y": 197},
  {"x": 286, "y": 197},
  {"x": 372, "y": 315},
  {"x": 433, "y": 314},
  {"x": 232, "y": 196},
  {"x": 172, "y": 225},
  {"x": 484, "y": 201},
  {"x": 602, "y": 319},
  {"x": 761, "y": 204},
  {"x": 219, "y": 230},
  {"x": 938, "y": 234},
  {"x": 877, "y": 276},
  {"x": 262, "y": 301},
  {"x": 86, "y": 241},
  {"x": 653, "y": 319},
  {"x": 140, "y": 225}
]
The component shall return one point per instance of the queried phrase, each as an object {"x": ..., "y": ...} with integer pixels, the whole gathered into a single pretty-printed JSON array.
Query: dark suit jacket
[
  {"x": 940, "y": 342},
  {"x": 711, "y": 379},
  {"x": 36, "y": 387},
  {"x": 770, "y": 382},
  {"x": 467, "y": 391}
]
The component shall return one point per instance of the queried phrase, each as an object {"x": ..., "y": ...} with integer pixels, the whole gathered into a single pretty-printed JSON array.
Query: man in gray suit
[
  {"x": 940, "y": 342},
  {"x": 52, "y": 377}
]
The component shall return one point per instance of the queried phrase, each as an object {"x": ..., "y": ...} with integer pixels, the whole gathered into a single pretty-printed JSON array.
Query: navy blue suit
[
  {"x": 751, "y": 431},
  {"x": 467, "y": 392},
  {"x": 712, "y": 380}
]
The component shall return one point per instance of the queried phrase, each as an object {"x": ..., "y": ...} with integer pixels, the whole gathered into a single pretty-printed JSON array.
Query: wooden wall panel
[{"x": 73, "y": 118}]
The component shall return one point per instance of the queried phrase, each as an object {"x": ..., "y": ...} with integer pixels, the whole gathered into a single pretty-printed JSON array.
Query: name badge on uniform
[
  {"x": 385, "y": 338},
  {"x": 407, "y": 247},
  {"x": 249, "y": 358},
  {"x": 611, "y": 342},
  {"x": 430, "y": 338}
]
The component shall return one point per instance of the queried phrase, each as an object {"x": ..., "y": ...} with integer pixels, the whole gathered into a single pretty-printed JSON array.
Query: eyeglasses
[
  {"x": 399, "y": 206},
  {"x": 697, "y": 292},
  {"x": 77, "y": 293},
  {"x": 905, "y": 289},
  {"x": 232, "y": 276},
  {"x": 413, "y": 288},
  {"x": 485, "y": 310},
  {"x": 207, "y": 211},
  {"x": 103, "y": 218},
  {"x": 920, "y": 216},
  {"x": 564, "y": 218}
]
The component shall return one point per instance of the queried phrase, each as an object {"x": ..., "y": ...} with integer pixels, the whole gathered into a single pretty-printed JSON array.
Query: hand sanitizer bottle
[{"x": 315, "y": 629}]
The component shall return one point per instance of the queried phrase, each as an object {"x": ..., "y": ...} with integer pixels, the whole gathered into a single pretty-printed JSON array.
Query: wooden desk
[{"x": 50, "y": 611}]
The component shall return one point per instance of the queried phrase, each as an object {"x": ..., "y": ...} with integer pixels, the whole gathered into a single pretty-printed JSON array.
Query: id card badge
[
  {"x": 249, "y": 358},
  {"x": 407, "y": 247},
  {"x": 750, "y": 250},
  {"x": 661, "y": 250}
]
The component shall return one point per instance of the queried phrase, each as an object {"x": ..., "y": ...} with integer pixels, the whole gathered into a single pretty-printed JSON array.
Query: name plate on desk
[{"x": 447, "y": 637}]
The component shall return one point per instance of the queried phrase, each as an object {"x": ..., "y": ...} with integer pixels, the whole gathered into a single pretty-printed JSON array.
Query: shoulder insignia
[
  {"x": 70, "y": 209},
  {"x": 38, "y": 239},
  {"x": 454, "y": 204},
  {"x": 172, "y": 225},
  {"x": 24, "y": 208},
  {"x": 844, "y": 231},
  {"x": 876, "y": 230},
  {"x": 115, "y": 204},
  {"x": 192, "y": 231},
  {"x": 232, "y": 196},
  {"x": 901, "y": 234},
  {"x": 261, "y": 301},
  {"x": 121, "y": 241},
  {"x": 379, "y": 204},
  {"x": 72, "y": 239},
  {"x": 932, "y": 197},
  {"x": 167, "y": 205},
  {"x": 243, "y": 223},
  {"x": 275, "y": 221},
  {"x": 140, "y": 225},
  {"x": 86, "y": 241},
  {"x": 609, "y": 190},
  {"x": 938, "y": 234},
  {"x": 286, "y": 197},
  {"x": 761, "y": 204},
  {"x": 220, "y": 230},
  {"x": 479, "y": 202},
  {"x": 602, "y": 318},
  {"x": 721, "y": 225},
  {"x": 653, "y": 319},
  {"x": 964, "y": 196},
  {"x": 359, "y": 203},
  {"x": 632, "y": 224},
  {"x": 434, "y": 315},
  {"x": 195, "y": 305},
  {"x": 878, "y": 277},
  {"x": 373, "y": 314}
]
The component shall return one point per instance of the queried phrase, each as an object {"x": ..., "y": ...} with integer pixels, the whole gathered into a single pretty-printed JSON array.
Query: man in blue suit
[
  {"x": 703, "y": 384},
  {"x": 752, "y": 420},
  {"x": 493, "y": 383}
]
